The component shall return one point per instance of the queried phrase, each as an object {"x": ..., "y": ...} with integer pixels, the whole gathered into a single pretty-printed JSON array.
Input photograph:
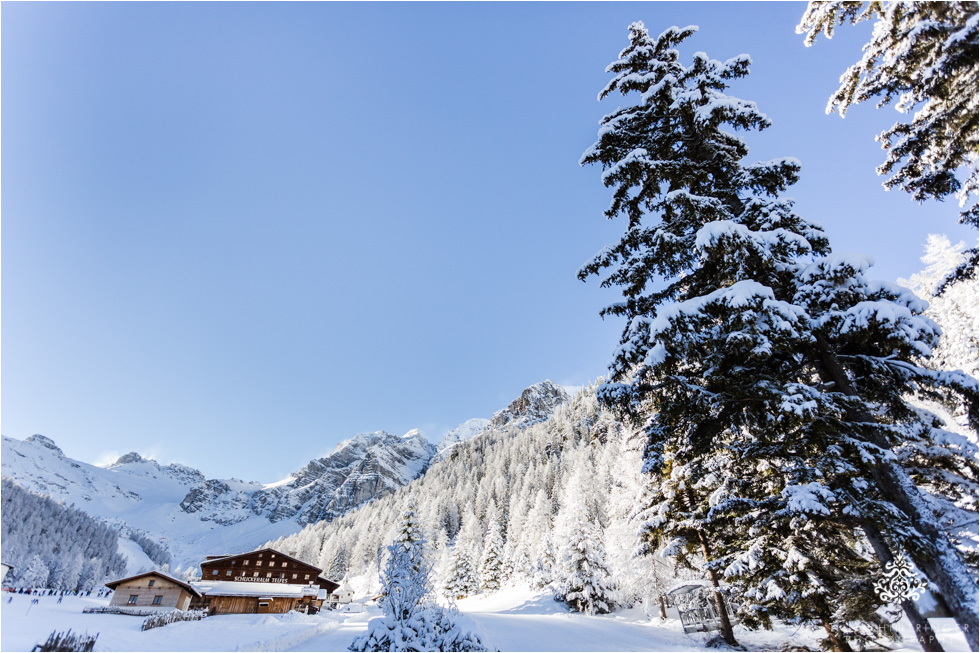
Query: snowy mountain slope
[
  {"x": 132, "y": 494},
  {"x": 193, "y": 516}
]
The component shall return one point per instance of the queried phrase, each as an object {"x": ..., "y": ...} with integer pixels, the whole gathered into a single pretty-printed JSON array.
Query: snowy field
[
  {"x": 510, "y": 620},
  {"x": 23, "y": 628}
]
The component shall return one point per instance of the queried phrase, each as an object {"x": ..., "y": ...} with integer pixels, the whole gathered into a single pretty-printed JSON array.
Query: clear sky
[{"x": 236, "y": 234}]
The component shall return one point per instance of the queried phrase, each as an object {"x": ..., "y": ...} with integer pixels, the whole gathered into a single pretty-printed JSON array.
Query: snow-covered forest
[
  {"x": 49, "y": 545},
  {"x": 495, "y": 511}
]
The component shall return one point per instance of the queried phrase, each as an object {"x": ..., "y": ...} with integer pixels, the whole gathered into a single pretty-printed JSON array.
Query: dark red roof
[{"x": 211, "y": 559}]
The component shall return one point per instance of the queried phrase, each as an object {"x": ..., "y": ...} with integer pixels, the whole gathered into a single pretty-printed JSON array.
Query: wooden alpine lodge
[{"x": 257, "y": 582}]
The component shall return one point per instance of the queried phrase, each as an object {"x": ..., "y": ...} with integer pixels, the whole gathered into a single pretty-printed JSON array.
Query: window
[
  {"x": 282, "y": 575},
  {"x": 272, "y": 555},
  {"x": 214, "y": 573},
  {"x": 269, "y": 575},
  {"x": 228, "y": 573},
  {"x": 295, "y": 575},
  {"x": 133, "y": 598},
  {"x": 258, "y": 564},
  {"x": 158, "y": 600},
  {"x": 255, "y": 575},
  {"x": 284, "y": 564},
  {"x": 260, "y": 555},
  {"x": 152, "y": 582},
  {"x": 307, "y": 577},
  {"x": 233, "y": 562},
  {"x": 245, "y": 563}
]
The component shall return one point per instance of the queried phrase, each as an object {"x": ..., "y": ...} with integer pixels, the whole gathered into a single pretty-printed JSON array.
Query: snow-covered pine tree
[
  {"x": 956, "y": 309},
  {"x": 36, "y": 574},
  {"x": 678, "y": 179},
  {"x": 582, "y": 577},
  {"x": 411, "y": 621},
  {"x": 924, "y": 57},
  {"x": 544, "y": 562},
  {"x": 535, "y": 541},
  {"x": 442, "y": 555},
  {"x": 491, "y": 566},
  {"x": 461, "y": 580},
  {"x": 720, "y": 364}
]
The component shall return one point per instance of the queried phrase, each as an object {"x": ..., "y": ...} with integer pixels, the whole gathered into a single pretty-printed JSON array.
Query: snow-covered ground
[
  {"x": 513, "y": 619},
  {"x": 24, "y": 625},
  {"x": 516, "y": 619}
]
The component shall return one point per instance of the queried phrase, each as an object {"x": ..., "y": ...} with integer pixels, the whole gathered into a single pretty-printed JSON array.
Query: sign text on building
[{"x": 258, "y": 579}]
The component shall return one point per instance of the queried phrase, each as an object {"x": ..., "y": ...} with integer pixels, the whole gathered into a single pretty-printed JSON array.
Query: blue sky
[{"x": 236, "y": 234}]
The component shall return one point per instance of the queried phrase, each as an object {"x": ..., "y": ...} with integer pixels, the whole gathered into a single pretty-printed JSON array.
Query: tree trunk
[
  {"x": 933, "y": 553},
  {"x": 663, "y": 607},
  {"x": 726, "y": 624},
  {"x": 840, "y": 644},
  {"x": 923, "y": 629}
]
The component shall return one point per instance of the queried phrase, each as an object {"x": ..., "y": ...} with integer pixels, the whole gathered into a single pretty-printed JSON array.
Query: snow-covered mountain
[
  {"x": 465, "y": 431},
  {"x": 193, "y": 516},
  {"x": 536, "y": 404},
  {"x": 359, "y": 469},
  {"x": 134, "y": 494}
]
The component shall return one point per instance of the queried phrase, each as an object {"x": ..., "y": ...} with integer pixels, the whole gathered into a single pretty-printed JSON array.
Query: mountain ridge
[{"x": 191, "y": 515}]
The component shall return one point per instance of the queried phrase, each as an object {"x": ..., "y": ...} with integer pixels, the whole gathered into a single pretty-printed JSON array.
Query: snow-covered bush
[
  {"x": 431, "y": 627},
  {"x": 172, "y": 617},
  {"x": 119, "y": 609}
]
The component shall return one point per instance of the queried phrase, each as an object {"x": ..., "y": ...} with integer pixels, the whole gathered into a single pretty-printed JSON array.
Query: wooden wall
[
  {"x": 174, "y": 596},
  {"x": 265, "y": 562},
  {"x": 250, "y": 605}
]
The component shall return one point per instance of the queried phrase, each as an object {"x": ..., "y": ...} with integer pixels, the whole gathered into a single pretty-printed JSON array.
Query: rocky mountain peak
[
  {"x": 45, "y": 442},
  {"x": 131, "y": 457},
  {"x": 536, "y": 404}
]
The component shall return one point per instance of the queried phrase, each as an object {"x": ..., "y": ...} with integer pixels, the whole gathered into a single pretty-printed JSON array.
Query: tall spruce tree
[
  {"x": 582, "y": 578},
  {"x": 678, "y": 179},
  {"x": 754, "y": 456},
  {"x": 924, "y": 57},
  {"x": 491, "y": 567},
  {"x": 461, "y": 579}
]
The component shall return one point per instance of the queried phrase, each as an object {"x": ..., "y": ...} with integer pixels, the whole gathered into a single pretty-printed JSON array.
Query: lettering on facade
[{"x": 259, "y": 579}]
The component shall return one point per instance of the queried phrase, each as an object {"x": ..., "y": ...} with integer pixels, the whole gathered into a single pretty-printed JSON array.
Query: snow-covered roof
[
  {"x": 232, "y": 588},
  {"x": 113, "y": 584},
  {"x": 689, "y": 585}
]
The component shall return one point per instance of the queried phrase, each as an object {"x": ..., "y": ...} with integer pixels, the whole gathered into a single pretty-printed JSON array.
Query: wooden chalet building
[
  {"x": 264, "y": 581},
  {"x": 152, "y": 590}
]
